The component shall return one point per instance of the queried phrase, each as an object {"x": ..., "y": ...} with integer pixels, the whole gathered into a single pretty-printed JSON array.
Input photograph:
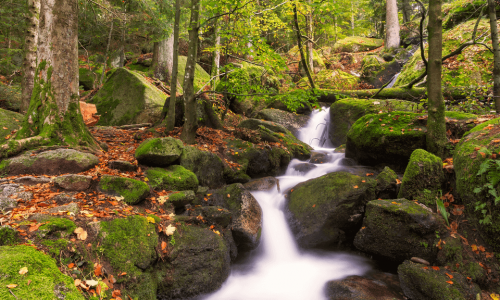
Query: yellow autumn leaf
[
  {"x": 151, "y": 220},
  {"x": 146, "y": 179},
  {"x": 11, "y": 286},
  {"x": 170, "y": 230},
  {"x": 495, "y": 296},
  {"x": 23, "y": 270},
  {"x": 162, "y": 199}
]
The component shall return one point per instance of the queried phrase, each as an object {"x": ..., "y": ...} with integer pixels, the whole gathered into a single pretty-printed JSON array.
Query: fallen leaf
[
  {"x": 228, "y": 195},
  {"x": 71, "y": 265},
  {"x": 77, "y": 282},
  {"x": 23, "y": 270},
  {"x": 11, "y": 286},
  {"x": 151, "y": 220},
  {"x": 97, "y": 269},
  {"x": 91, "y": 282},
  {"x": 163, "y": 245},
  {"x": 449, "y": 282},
  {"x": 170, "y": 230},
  {"x": 355, "y": 186},
  {"x": 116, "y": 293},
  {"x": 435, "y": 268},
  {"x": 449, "y": 275},
  {"x": 314, "y": 205},
  {"x": 474, "y": 247},
  {"x": 495, "y": 296}
]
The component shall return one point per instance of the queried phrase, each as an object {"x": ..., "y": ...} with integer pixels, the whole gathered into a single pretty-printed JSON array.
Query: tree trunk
[
  {"x": 54, "y": 114},
  {"x": 188, "y": 134},
  {"x": 216, "y": 54},
  {"x": 122, "y": 49},
  {"x": 352, "y": 18},
  {"x": 436, "y": 126},
  {"x": 310, "y": 35},
  {"x": 30, "y": 46},
  {"x": 407, "y": 11},
  {"x": 496, "y": 52},
  {"x": 163, "y": 59},
  {"x": 301, "y": 49},
  {"x": 392, "y": 25},
  {"x": 106, "y": 55},
  {"x": 170, "y": 120}
]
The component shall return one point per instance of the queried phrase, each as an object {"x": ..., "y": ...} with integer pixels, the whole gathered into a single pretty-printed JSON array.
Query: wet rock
[
  {"x": 159, "y": 152},
  {"x": 207, "y": 166},
  {"x": 319, "y": 157},
  {"x": 133, "y": 191},
  {"x": 52, "y": 162},
  {"x": 356, "y": 44},
  {"x": 291, "y": 121},
  {"x": 214, "y": 215},
  {"x": 398, "y": 230},
  {"x": 304, "y": 167},
  {"x": 387, "y": 184},
  {"x": 419, "y": 283},
  {"x": 419, "y": 260},
  {"x": 374, "y": 286},
  {"x": 255, "y": 124},
  {"x": 9, "y": 195},
  {"x": 328, "y": 210},
  {"x": 261, "y": 184},
  {"x": 121, "y": 165},
  {"x": 73, "y": 182}
]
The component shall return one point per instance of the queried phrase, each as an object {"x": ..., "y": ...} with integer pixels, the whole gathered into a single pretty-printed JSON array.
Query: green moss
[
  {"x": 457, "y": 115},
  {"x": 331, "y": 79},
  {"x": 159, "y": 151},
  {"x": 459, "y": 11},
  {"x": 10, "y": 121},
  {"x": 355, "y": 44},
  {"x": 55, "y": 246},
  {"x": 59, "y": 227},
  {"x": 43, "y": 280},
  {"x": 133, "y": 191},
  {"x": 201, "y": 77},
  {"x": 8, "y": 236},
  {"x": 174, "y": 178}
]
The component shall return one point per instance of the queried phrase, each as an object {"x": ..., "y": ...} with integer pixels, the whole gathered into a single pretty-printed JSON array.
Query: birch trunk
[
  {"x": 30, "y": 46},
  {"x": 496, "y": 53},
  {"x": 163, "y": 59},
  {"x": 392, "y": 25},
  {"x": 310, "y": 35},
  {"x": 106, "y": 55},
  {"x": 170, "y": 119},
  {"x": 216, "y": 54}
]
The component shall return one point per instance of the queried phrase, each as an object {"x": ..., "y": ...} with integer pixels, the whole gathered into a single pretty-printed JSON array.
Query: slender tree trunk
[
  {"x": 106, "y": 55},
  {"x": 162, "y": 59},
  {"x": 310, "y": 35},
  {"x": 170, "y": 119},
  {"x": 122, "y": 49},
  {"x": 188, "y": 134},
  {"x": 301, "y": 49},
  {"x": 407, "y": 11},
  {"x": 30, "y": 46},
  {"x": 54, "y": 114},
  {"x": 352, "y": 18},
  {"x": 216, "y": 54},
  {"x": 496, "y": 52},
  {"x": 392, "y": 25},
  {"x": 436, "y": 126}
]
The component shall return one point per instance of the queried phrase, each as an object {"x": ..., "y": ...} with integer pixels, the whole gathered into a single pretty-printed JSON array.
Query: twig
[{"x": 13, "y": 294}]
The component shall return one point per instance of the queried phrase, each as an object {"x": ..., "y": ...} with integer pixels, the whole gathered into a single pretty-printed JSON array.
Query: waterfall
[{"x": 278, "y": 269}]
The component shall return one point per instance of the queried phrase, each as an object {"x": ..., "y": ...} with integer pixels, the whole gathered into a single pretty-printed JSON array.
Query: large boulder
[
  {"x": 9, "y": 121},
  {"x": 345, "y": 112},
  {"x": 207, "y": 166},
  {"x": 198, "y": 263},
  {"x": 127, "y": 98},
  {"x": 398, "y": 230},
  {"x": 159, "y": 152},
  {"x": 52, "y": 162},
  {"x": 255, "y": 124},
  {"x": 43, "y": 280},
  {"x": 355, "y": 44},
  {"x": 376, "y": 71},
  {"x": 328, "y": 210},
  {"x": 474, "y": 149},
  {"x": 387, "y": 184},
  {"x": 331, "y": 79},
  {"x": 246, "y": 224},
  {"x": 133, "y": 191},
  {"x": 420, "y": 282},
  {"x": 173, "y": 178},
  {"x": 457, "y": 12},
  {"x": 291, "y": 121},
  {"x": 86, "y": 78},
  {"x": 423, "y": 178}
]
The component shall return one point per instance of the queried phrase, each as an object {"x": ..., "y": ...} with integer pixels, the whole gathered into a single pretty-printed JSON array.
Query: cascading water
[{"x": 277, "y": 269}]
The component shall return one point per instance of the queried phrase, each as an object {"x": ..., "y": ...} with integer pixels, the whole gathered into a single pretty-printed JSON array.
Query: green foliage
[
  {"x": 298, "y": 98},
  {"x": 442, "y": 210},
  {"x": 490, "y": 167}
]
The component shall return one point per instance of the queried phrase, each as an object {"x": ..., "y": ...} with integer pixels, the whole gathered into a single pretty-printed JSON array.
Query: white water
[{"x": 277, "y": 269}]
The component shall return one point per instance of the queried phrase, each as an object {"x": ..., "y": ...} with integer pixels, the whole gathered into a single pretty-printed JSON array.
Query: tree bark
[
  {"x": 436, "y": 126},
  {"x": 170, "y": 119},
  {"x": 216, "y": 54},
  {"x": 301, "y": 49},
  {"x": 496, "y": 53},
  {"x": 310, "y": 35},
  {"x": 392, "y": 25},
  {"x": 407, "y": 11},
  {"x": 30, "y": 46},
  {"x": 54, "y": 114},
  {"x": 163, "y": 59},
  {"x": 188, "y": 134}
]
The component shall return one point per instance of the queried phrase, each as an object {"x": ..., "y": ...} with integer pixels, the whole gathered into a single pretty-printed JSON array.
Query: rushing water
[{"x": 278, "y": 269}]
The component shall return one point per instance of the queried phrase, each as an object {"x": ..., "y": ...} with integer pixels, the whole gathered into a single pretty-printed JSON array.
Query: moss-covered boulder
[
  {"x": 470, "y": 153},
  {"x": 127, "y": 98},
  {"x": 207, "y": 166},
  {"x": 295, "y": 147},
  {"x": 129, "y": 246},
  {"x": 373, "y": 286},
  {"x": 291, "y": 121},
  {"x": 86, "y": 78},
  {"x": 198, "y": 263},
  {"x": 354, "y": 44},
  {"x": 328, "y": 210},
  {"x": 213, "y": 215},
  {"x": 421, "y": 283},
  {"x": 8, "y": 236},
  {"x": 422, "y": 178},
  {"x": 376, "y": 71},
  {"x": 74, "y": 182},
  {"x": 387, "y": 184},
  {"x": 56, "y": 227},
  {"x": 133, "y": 191},
  {"x": 52, "y": 162},
  {"x": 201, "y": 77},
  {"x": 246, "y": 224},
  {"x": 331, "y": 79},
  {"x": 261, "y": 184},
  {"x": 457, "y": 12},
  {"x": 180, "y": 199},
  {"x": 43, "y": 280},
  {"x": 255, "y": 124},
  {"x": 159, "y": 152},
  {"x": 345, "y": 112},
  {"x": 398, "y": 230},
  {"x": 9, "y": 121},
  {"x": 173, "y": 178}
]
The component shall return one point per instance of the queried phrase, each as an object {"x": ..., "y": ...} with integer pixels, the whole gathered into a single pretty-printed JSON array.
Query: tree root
[{"x": 15, "y": 147}]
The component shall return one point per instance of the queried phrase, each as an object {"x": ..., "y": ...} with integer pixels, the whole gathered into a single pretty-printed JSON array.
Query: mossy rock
[
  {"x": 8, "y": 236},
  {"x": 127, "y": 98},
  {"x": 422, "y": 178},
  {"x": 376, "y": 71},
  {"x": 248, "y": 106},
  {"x": 254, "y": 124},
  {"x": 387, "y": 185},
  {"x": 181, "y": 198},
  {"x": 291, "y": 121},
  {"x": 56, "y": 227},
  {"x": 86, "y": 78},
  {"x": 421, "y": 283},
  {"x": 214, "y": 215},
  {"x": 9, "y": 120},
  {"x": 129, "y": 246},
  {"x": 207, "y": 166},
  {"x": 354, "y": 44},
  {"x": 133, "y": 191},
  {"x": 159, "y": 152},
  {"x": 457, "y": 12},
  {"x": 345, "y": 112},
  {"x": 10, "y": 96},
  {"x": 328, "y": 210},
  {"x": 373, "y": 286},
  {"x": 201, "y": 77},
  {"x": 173, "y": 178},
  {"x": 43, "y": 280},
  {"x": 331, "y": 79},
  {"x": 198, "y": 263},
  {"x": 470, "y": 153},
  {"x": 55, "y": 246},
  {"x": 294, "y": 146}
]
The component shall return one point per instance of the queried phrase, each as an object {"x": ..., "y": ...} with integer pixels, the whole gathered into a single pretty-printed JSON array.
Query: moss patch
[
  {"x": 133, "y": 191},
  {"x": 355, "y": 44},
  {"x": 9, "y": 120},
  {"x": 8, "y": 236},
  {"x": 58, "y": 227},
  {"x": 174, "y": 178},
  {"x": 159, "y": 151}
]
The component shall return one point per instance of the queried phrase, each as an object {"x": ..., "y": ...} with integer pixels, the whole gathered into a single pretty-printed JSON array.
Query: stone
[
  {"x": 423, "y": 178},
  {"x": 387, "y": 184},
  {"x": 246, "y": 223},
  {"x": 181, "y": 199},
  {"x": 255, "y": 124},
  {"x": 318, "y": 63},
  {"x": 121, "y": 165},
  {"x": 133, "y": 191},
  {"x": 325, "y": 211},
  {"x": 173, "y": 178},
  {"x": 418, "y": 283},
  {"x": 214, "y": 215},
  {"x": 86, "y": 78},
  {"x": 46, "y": 215},
  {"x": 398, "y": 230},
  {"x": 207, "y": 166},
  {"x": 291, "y": 121},
  {"x": 73, "y": 182},
  {"x": 304, "y": 167},
  {"x": 331, "y": 79},
  {"x": 261, "y": 184},
  {"x": 319, "y": 157},
  {"x": 377, "y": 72},
  {"x": 52, "y": 162},
  {"x": 374, "y": 286},
  {"x": 30, "y": 180},
  {"x": 159, "y": 152},
  {"x": 356, "y": 44}
]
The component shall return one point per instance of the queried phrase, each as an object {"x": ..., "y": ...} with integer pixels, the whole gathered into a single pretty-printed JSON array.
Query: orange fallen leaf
[
  {"x": 314, "y": 205},
  {"x": 449, "y": 282},
  {"x": 355, "y": 186},
  {"x": 81, "y": 234},
  {"x": 97, "y": 269},
  {"x": 449, "y": 275},
  {"x": 163, "y": 245},
  {"x": 71, "y": 265},
  {"x": 435, "y": 268},
  {"x": 78, "y": 282}
]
